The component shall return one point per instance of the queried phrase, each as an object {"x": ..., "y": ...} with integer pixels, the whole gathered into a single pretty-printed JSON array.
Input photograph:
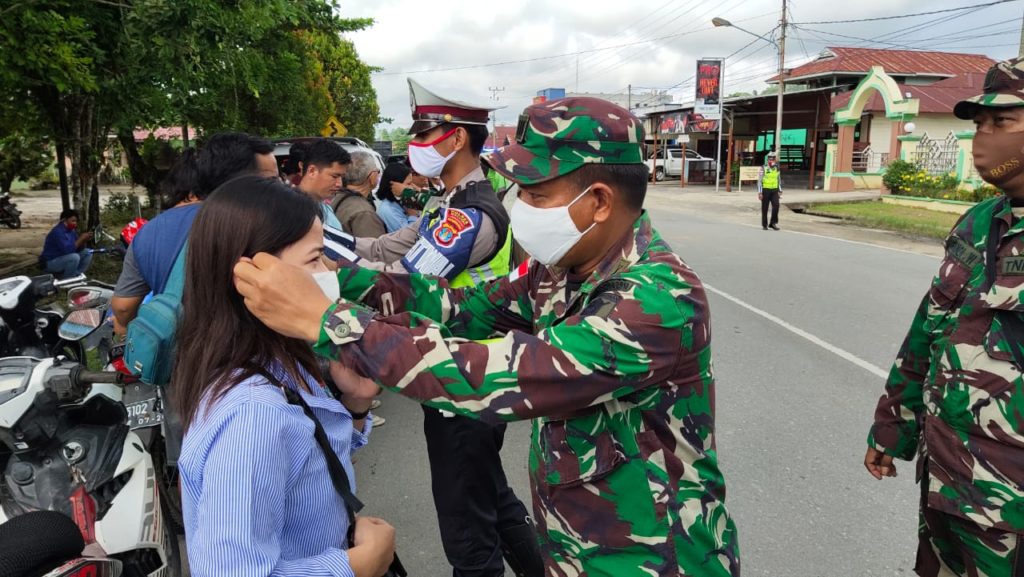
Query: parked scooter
[
  {"x": 10, "y": 215},
  {"x": 48, "y": 544},
  {"x": 68, "y": 446},
  {"x": 30, "y": 330}
]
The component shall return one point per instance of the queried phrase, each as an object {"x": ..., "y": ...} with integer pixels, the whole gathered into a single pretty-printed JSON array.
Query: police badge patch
[{"x": 455, "y": 223}]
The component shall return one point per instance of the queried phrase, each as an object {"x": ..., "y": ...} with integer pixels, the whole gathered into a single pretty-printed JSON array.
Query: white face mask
[
  {"x": 328, "y": 281},
  {"x": 546, "y": 233},
  {"x": 426, "y": 160}
]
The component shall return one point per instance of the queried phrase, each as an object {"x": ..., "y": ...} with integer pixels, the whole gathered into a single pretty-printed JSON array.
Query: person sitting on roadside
[
  {"x": 152, "y": 253},
  {"x": 257, "y": 490},
  {"x": 64, "y": 252},
  {"x": 397, "y": 177},
  {"x": 353, "y": 205}
]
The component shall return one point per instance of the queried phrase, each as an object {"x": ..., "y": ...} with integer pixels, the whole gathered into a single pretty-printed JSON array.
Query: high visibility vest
[
  {"x": 497, "y": 267},
  {"x": 770, "y": 178}
]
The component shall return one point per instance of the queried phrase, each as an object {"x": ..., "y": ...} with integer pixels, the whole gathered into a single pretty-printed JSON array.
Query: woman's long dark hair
[
  {"x": 394, "y": 172},
  {"x": 220, "y": 342}
]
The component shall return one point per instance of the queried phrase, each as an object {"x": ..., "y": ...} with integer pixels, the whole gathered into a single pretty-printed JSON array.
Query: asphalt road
[{"x": 804, "y": 329}]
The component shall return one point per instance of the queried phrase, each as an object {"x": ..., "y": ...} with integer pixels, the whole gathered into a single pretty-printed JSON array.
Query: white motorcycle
[
  {"x": 49, "y": 544},
  {"x": 68, "y": 445}
]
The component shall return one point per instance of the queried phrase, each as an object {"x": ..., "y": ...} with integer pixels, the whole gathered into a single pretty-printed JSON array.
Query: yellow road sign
[{"x": 333, "y": 127}]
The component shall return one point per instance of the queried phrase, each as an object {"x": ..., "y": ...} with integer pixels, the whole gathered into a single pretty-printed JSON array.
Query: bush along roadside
[{"x": 909, "y": 179}]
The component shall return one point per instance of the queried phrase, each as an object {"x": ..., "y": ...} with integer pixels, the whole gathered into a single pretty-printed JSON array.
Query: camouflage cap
[
  {"x": 1004, "y": 88},
  {"x": 557, "y": 137}
]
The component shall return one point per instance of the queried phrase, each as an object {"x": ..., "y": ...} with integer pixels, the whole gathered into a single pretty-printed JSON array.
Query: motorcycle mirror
[
  {"x": 87, "y": 297},
  {"x": 80, "y": 323}
]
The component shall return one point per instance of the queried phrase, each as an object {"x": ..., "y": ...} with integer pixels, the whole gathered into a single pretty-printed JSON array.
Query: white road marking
[
  {"x": 903, "y": 250},
  {"x": 844, "y": 354}
]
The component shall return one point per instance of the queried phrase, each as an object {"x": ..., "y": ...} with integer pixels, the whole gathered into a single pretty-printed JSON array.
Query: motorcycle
[
  {"x": 30, "y": 330},
  {"x": 49, "y": 544},
  {"x": 70, "y": 445},
  {"x": 10, "y": 215}
]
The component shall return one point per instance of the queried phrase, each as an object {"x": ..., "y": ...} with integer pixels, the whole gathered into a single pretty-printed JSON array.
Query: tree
[
  {"x": 347, "y": 78},
  {"x": 399, "y": 138},
  {"x": 49, "y": 55},
  {"x": 22, "y": 157},
  {"x": 24, "y": 149},
  {"x": 97, "y": 66}
]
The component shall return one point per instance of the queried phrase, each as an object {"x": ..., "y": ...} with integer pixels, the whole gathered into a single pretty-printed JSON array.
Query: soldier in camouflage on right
[{"x": 954, "y": 397}]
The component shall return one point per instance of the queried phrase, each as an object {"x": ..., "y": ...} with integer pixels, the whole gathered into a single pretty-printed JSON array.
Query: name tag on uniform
[
  {"x": 1013, "y": 265},
  {"x": 963, "y": 252}
]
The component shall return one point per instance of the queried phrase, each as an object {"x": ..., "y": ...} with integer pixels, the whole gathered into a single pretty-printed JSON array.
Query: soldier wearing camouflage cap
[
  {"x": 465, "y": 238},
  {"x": 601, "y": 340},
  {"x": 954, "y": 397}
]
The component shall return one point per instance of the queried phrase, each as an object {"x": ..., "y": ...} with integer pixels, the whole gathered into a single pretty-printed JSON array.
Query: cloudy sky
[{"x": 463, "y": 48}]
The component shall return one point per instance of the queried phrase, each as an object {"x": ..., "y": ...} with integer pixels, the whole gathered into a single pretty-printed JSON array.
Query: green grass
[{"x": 903, "y": 219}]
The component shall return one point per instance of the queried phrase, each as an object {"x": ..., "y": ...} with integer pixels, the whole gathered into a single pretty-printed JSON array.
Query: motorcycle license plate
[{"x": 144, "y": 413}]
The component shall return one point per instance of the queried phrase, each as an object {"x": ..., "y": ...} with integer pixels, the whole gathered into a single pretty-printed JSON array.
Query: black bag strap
[
  {"x": 338, "y": 476},
  {"x": 337, "y": 472}
]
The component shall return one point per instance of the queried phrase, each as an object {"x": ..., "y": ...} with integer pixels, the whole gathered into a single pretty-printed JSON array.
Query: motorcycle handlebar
[
  {"x": 90, "y": 377},
  {"x": 76, "y": 280}
]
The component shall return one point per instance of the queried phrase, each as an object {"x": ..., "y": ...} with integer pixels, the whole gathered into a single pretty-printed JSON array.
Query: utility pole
[
  {"x": 629, "y": 98},
  {"x": 782, "y": 84},
  {"x": 577, "y": 74},
  {"x": 494, "y": 123},
  {"x": 1020, "y": 52}
]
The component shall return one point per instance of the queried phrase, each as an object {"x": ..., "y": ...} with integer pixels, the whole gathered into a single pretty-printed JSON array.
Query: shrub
[
  {"x": 895, "y": 175},
  {"x": 122, "y": 208},
  {"x": 978, "y": 194}
]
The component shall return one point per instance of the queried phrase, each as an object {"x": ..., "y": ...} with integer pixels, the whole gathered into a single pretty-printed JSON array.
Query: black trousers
[
  {"x": 471, "y": 494},
  {"x": 769, "y": 196}
]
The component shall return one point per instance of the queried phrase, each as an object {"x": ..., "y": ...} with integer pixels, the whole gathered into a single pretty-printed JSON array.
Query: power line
[
  {"x": 492, "y": 64},
  {"x": 896, "y": 17},
  {"x": 609, "y": 65},
  {"x": 700, "y": 17},
  {"x": 789, "y": 8},
  {"x": 593, "y": 58},
  {"x": 929, "y": 47},
  {"x": 902, "y": 32}
]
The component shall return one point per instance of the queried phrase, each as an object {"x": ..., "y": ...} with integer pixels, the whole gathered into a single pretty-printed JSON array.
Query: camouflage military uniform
[
  {"x": 613, "y": 370},
  {"x": 954, "y": 396}
]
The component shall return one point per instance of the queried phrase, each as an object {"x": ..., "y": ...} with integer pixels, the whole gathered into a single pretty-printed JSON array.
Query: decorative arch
[{"x": 898, "y": 108}]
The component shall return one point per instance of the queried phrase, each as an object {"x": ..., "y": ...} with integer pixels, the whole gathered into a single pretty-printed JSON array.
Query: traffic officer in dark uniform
[{"x": 466, "y": 239}]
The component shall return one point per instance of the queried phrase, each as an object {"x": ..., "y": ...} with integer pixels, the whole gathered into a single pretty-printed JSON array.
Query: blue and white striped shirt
[{"x": 256, "y": 494}]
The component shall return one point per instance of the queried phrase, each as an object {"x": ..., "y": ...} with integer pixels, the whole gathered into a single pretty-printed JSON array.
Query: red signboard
[{"x": 709, "y": 88}]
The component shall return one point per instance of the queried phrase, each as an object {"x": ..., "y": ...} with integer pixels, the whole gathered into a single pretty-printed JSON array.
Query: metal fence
[
  {"x": 868, "y": 161},
  {"x": 937, "y": 156}
]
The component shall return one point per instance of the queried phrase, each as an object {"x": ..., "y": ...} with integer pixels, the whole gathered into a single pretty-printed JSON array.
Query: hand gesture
[
  {"x": 352, "y": 384},
  {"x": 879, "y": 464},
  {"x": 377, "y": 538},
  {"x": 283, "y": 296}
]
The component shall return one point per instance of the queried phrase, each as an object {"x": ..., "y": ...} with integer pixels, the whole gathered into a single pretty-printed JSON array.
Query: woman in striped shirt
[{"x": 256, "y": 492}]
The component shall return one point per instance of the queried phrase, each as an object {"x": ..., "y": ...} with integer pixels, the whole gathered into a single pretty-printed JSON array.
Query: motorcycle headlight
[{"x": 15, "y": 373}]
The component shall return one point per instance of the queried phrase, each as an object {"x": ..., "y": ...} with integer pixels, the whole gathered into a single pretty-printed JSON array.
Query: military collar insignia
[{"x": 524, "y": 123}]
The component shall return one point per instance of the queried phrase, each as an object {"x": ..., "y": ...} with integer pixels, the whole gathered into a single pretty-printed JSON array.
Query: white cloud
[{"x": 411, "y": 36}]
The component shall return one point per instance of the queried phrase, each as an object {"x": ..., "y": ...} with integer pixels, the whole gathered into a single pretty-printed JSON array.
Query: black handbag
[{"x": 338, "y": 477}]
